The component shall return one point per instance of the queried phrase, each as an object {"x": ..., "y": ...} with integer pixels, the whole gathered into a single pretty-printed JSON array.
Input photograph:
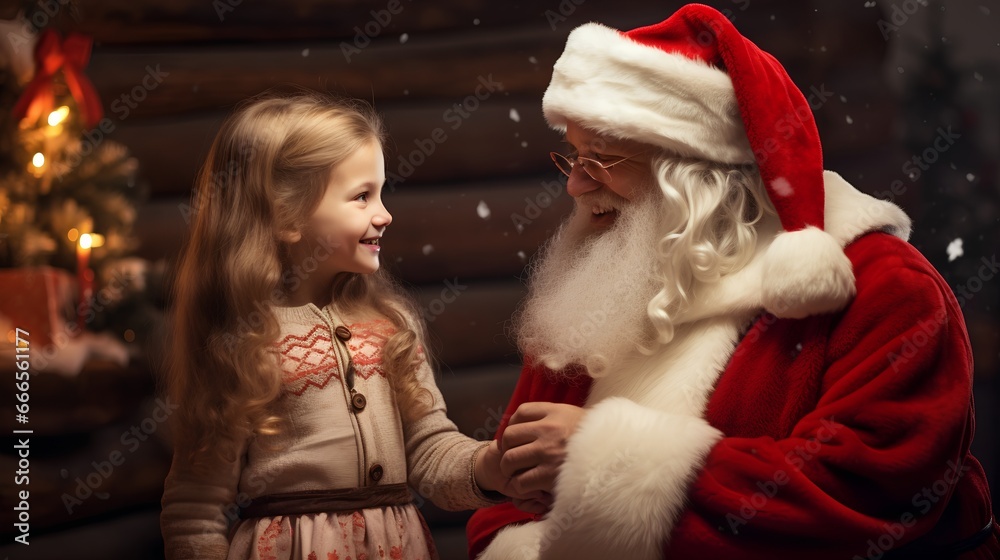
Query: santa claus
[{"x": 737, "y": 352}]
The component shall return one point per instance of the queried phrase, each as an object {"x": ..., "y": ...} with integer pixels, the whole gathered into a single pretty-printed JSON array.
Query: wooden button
[
  {"x": 343, "y": 333},
  {"x": 358, "y": 401},
  {"x": 376, "y": 472}
]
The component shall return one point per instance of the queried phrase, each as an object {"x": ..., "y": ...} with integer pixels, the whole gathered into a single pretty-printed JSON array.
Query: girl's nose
[{"x": 382, "y": 218}]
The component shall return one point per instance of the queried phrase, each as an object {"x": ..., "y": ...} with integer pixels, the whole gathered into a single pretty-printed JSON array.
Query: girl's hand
[
  {"x": 487, "y": 469},
  {"x": 490, "y": 478},
  {"x": 534, "y": 446}
]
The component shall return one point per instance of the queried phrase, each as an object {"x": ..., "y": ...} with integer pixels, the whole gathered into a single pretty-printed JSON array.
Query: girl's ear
[{"x": 290, "y": 236}]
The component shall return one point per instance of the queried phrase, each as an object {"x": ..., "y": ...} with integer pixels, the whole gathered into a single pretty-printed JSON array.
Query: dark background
[{"x": 900, "y": 73}]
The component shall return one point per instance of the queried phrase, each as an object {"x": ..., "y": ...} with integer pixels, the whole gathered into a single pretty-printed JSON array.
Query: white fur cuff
[
  {"x": 624, "y": 482},
  {"x": 515, "y": 542}
]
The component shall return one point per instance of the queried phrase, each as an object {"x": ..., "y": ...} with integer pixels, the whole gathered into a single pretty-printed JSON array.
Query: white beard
[{"x": 588, "y": 293}]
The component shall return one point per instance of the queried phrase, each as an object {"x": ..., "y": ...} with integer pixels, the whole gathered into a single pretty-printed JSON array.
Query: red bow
[{"x": 71, "y": 56}]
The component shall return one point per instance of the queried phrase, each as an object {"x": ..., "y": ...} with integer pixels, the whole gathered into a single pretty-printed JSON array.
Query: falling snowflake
[
  {"x": 305, "y": 52},
  {"x": 955, "y": 249},
  {"x": 404, "y": 37},
  {"x": 524, "y": 143},
  {"x": 522, "y": 256},
  {"x": 977, "y": 76},
  {"x": 532, "y": 60},
  {"x": 850, "y": 120},
  {"x": 515, "y": 116},
  {"x": 483, "y": 210},
  {"x": 475, "y": 21},
  {"x": 428, "y": 249},
  {"x": 970, "y": 177}
]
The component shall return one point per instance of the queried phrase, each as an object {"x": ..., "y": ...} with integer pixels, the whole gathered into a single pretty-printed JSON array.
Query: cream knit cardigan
[{"x": 200, "y": 505}]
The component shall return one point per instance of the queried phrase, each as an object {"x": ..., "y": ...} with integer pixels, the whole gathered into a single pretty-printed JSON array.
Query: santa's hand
[
  {"x": 537, "y": 505},
  {"x": 534, "y": 444}
]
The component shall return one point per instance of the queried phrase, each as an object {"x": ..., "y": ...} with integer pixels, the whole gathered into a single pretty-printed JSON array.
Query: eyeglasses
[{"x": 598, "y": 171}]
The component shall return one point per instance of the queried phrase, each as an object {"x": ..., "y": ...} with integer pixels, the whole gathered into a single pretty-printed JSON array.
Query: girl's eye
[{"x": 363, "y": 197}]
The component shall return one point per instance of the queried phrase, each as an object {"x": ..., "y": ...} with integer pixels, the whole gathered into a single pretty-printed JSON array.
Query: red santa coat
[{"x": 836, "y": 436}]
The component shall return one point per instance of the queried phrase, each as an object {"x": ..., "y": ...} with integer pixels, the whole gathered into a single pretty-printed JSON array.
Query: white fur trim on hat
[{"x": 617, "y": 87}]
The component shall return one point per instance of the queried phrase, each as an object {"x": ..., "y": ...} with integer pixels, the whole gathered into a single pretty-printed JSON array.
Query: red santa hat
[{"x": 692, "y": 84}]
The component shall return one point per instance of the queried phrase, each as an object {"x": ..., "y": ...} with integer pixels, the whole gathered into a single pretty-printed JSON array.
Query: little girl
[{"x": 307, "y": 404}]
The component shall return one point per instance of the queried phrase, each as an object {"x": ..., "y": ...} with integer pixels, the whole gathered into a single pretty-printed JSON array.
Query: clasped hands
[{"x": 524, "y": 462}]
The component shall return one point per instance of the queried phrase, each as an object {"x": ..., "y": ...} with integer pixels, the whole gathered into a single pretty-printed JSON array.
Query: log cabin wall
[{"x": 459, "y": 83}]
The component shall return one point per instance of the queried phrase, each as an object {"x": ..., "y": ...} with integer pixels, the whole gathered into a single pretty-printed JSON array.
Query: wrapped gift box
[{"x": 38, "y": 300}]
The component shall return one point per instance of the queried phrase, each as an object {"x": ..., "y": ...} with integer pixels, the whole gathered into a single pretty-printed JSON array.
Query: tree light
[
  {"x": 38, "y": 159},
  {"x": 58, "y": 116}
]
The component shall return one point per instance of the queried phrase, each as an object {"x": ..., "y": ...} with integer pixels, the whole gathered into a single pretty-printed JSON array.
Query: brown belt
[{"x": 327, "y": 501}]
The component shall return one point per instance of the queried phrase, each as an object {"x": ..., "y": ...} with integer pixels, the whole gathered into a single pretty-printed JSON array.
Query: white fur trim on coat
[
  {"x": 850, "y": 213},
  {"x": 516, "y": 542},
  {"x": 617, "y": 87},
  {"x": 618, "y": 495}
]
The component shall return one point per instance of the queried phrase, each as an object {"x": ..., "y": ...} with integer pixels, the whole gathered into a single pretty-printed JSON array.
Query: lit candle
[{"x": 85, "y": 278}]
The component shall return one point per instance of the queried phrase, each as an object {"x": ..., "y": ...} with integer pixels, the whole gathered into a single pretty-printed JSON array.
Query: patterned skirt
[{"x": 392, "y": 533}]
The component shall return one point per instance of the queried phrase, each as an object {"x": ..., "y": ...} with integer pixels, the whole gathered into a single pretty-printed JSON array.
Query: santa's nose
[{"x": 579, "y": 182}]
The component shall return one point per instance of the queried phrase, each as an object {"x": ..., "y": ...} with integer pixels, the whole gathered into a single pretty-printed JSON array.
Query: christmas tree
[{"x": 67, "y": 201}]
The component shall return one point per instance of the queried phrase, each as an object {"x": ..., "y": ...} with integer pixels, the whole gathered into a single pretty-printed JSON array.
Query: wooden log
[
  {"x": 206, "y": 77},
  {"x": 437, "y": 232},
  {"x": 478, "y": 139},
  {"x": 143, "y": 82},
  {"x": 147, "y": 21},
  {"x": 467, "y": 322}
]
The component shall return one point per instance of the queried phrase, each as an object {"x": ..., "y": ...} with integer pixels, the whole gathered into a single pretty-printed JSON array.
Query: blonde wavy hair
[
  {"x": 266, "y": 173},
  {"x": 710, "y": 210}
]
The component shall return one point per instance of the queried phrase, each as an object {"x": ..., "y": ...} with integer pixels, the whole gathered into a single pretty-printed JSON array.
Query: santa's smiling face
[
  {"x": 591, "y": 283},
  {"x": 626, "y": 178}
]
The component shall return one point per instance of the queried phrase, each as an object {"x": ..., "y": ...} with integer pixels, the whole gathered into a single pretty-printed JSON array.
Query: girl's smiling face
[{"x": 343, "y": 233}]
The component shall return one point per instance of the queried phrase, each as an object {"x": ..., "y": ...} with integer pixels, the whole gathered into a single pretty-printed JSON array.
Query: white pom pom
[{"x": 806, "y": 273}]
